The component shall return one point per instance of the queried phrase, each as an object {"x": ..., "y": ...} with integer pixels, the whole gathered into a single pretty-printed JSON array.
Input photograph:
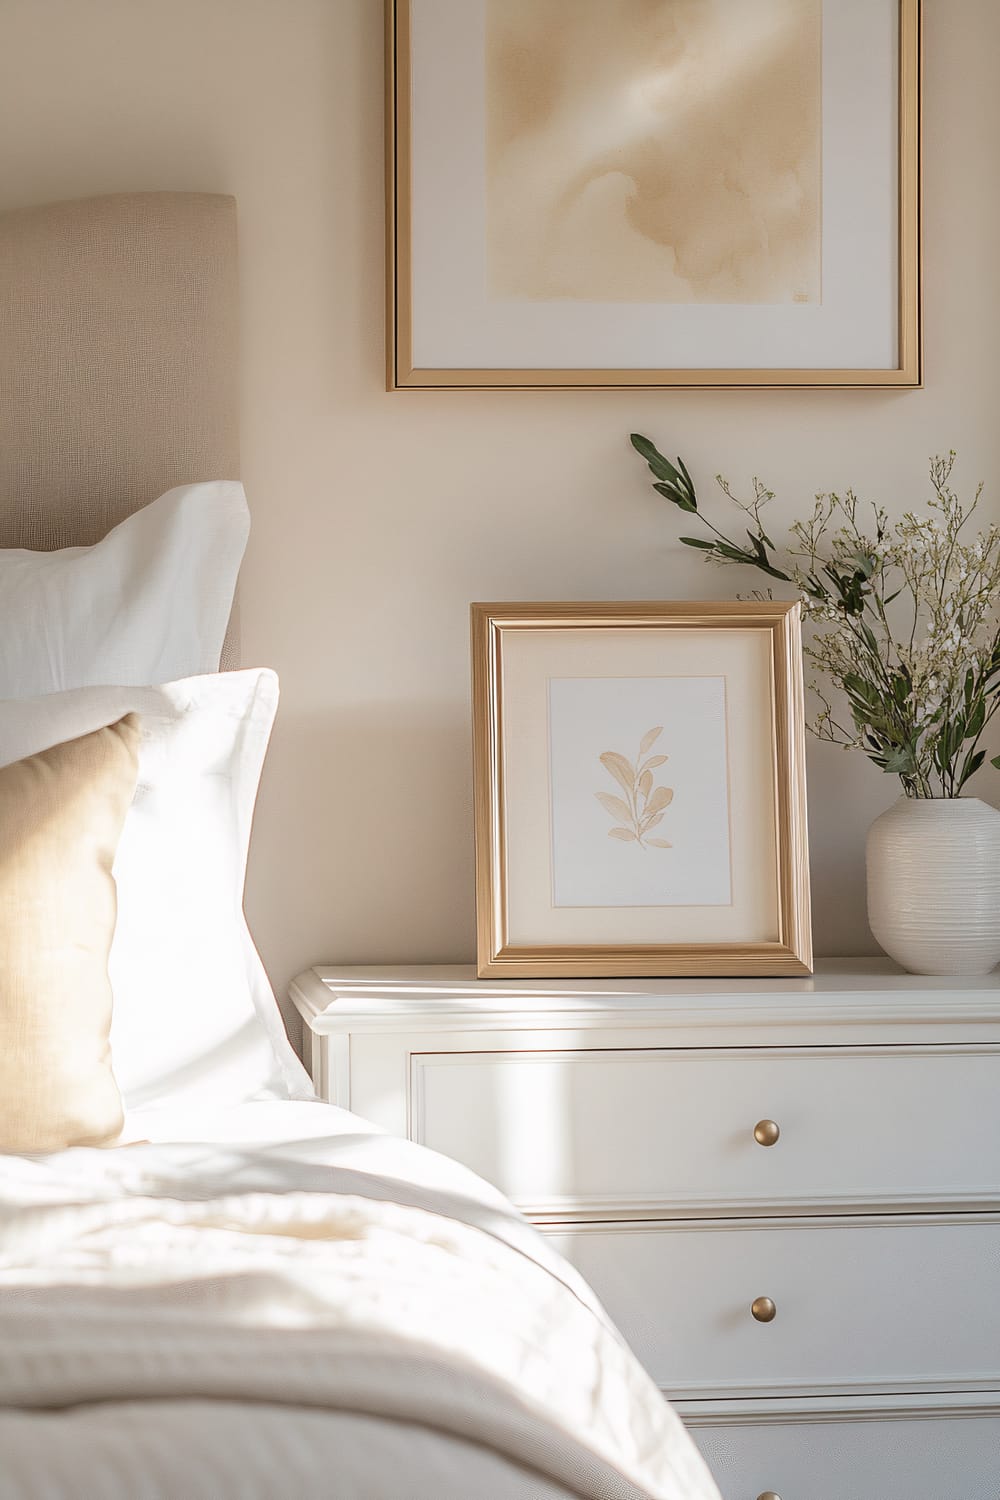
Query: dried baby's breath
[{"x": 903, "y": 616}]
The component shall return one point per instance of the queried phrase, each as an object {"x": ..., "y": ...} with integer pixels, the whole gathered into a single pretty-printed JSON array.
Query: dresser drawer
[
  {"x": 938, "y": 1458},
  {"x": 862, "y": 1305},
  {"x": 594, "y": 1132}
]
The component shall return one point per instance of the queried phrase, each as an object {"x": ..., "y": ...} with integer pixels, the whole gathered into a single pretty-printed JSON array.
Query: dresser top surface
[{"x": 846, "y": 988}]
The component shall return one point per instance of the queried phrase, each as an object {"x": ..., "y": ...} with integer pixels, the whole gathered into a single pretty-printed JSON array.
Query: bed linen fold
[{"x": 189, "y": 1272}]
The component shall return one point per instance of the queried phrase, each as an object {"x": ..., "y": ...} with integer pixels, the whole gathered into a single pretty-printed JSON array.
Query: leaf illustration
[
  {"x": 649, "y": 739},
  {"x": 619, "y": 767},
  {"x": 614, "y": 805},
  {"x": 642, "y": 807},
  {"x": 662, "y": 797}
]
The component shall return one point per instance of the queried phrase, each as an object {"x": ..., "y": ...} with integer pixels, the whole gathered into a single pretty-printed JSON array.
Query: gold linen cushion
[{"x": 61, "y": 816}]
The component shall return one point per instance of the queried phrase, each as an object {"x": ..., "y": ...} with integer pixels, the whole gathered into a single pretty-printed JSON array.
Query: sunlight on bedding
[{"x": 353, "y": 1272}]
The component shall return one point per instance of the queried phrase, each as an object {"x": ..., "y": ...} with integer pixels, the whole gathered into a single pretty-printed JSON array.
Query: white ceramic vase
[{"x": 934, "y": 884}]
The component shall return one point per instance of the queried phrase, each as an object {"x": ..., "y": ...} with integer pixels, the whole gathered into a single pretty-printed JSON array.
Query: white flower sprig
[{"x": 904, "y": 618}]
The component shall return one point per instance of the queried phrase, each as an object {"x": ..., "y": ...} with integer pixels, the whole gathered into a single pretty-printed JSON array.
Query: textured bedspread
[{"x": 330, "y": 1291}]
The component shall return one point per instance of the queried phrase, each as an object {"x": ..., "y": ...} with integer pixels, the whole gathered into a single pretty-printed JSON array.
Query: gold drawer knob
[
  {"x": 768, "y": 1495},
  {"x": 766, "y": 1133},
  {"x": 763, "y": 1309}
]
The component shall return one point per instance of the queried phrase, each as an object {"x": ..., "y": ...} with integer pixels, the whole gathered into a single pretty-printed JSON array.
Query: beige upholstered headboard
[{"x": 118, "y": 360}]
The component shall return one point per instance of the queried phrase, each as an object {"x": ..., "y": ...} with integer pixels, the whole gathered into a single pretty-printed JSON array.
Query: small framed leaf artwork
[
  {"x": 609, "y": 193},
  {"x": 640, "y": 790}
]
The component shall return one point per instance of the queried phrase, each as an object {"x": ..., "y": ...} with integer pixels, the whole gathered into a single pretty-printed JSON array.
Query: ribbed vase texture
[{"x": 934, "y": 884}]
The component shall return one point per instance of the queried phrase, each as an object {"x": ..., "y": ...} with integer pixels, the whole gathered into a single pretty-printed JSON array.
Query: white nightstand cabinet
[{"x": 786, "y": 1192}]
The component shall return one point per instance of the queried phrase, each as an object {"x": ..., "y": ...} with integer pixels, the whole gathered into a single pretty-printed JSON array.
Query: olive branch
[{"x": 643, "y": 806}]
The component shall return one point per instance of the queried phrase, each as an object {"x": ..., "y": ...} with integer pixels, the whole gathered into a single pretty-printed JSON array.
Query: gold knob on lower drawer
[
  {"x": 766, "y": 1133},
  {"x": 768, "y": 1495},
  {"x": 763, "y": 1309}
]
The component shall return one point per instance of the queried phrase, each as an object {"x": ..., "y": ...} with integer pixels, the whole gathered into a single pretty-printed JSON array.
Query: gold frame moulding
[
  {"x": 402, "y": 373},
  {"x": 790, "y": 954}
]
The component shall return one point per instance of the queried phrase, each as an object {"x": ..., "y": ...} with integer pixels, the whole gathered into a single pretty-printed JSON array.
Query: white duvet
[{"x": 304, "y": 1308}]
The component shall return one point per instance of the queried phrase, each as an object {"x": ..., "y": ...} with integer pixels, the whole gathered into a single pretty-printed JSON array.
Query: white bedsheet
[{"x": 279, "y": 1301}]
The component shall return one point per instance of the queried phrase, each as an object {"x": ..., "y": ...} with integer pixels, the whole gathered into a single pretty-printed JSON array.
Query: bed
[{"x": 249, "y": 1293}]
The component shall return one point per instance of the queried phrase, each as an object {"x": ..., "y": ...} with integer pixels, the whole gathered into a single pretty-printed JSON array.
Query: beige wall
[{"x": 377, "y": 518}]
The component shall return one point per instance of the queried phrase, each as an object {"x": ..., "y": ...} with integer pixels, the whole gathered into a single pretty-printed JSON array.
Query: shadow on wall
[
  {"x": 840, "y": 779},
  {"x": 372, "y": 807}
]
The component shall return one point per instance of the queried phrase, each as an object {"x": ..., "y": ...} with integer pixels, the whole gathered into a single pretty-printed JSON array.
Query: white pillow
[
  {"x": 149, "y": 603},
  {"x": 194, "y": 1015}
]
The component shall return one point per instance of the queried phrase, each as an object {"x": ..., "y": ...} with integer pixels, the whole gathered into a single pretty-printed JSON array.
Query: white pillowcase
[
  {"x": 194, "y": 1015},
  {"x": 149, "y": 603}
]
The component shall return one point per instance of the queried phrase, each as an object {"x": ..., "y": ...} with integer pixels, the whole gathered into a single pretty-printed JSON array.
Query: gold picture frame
[
  {"x": 542, "y": 675},
  {"x": 900, "y": 303}
]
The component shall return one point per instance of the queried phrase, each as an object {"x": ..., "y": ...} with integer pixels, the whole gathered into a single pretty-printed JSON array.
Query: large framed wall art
[
  {"x": 640, "y": 790},
  {"x": 653, "y": 193}
]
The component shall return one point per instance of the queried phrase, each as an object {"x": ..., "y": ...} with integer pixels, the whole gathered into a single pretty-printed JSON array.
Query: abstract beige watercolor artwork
[
  {"x": 663, "y": 151},
  {"x": 644, "y": 805}
]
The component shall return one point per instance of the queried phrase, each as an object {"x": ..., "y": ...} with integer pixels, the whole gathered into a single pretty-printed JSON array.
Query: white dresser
[{"x": 786, "y": 1192}]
